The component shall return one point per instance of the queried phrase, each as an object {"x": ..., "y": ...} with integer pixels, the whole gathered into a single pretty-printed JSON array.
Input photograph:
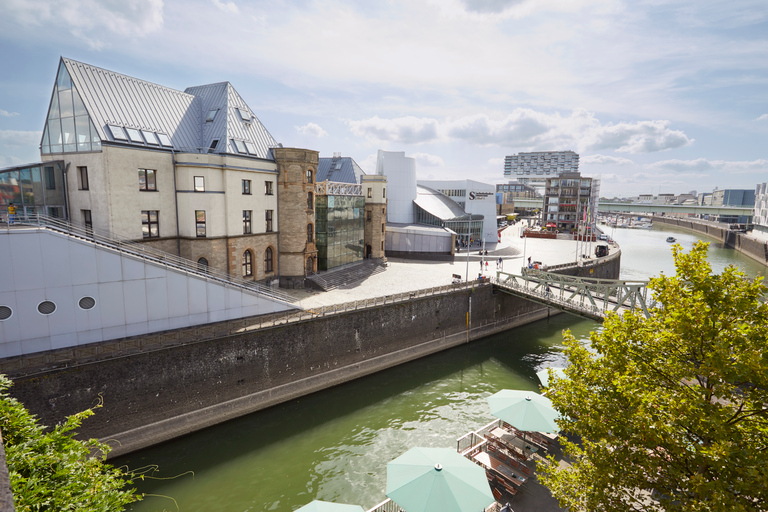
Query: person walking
[{"x": 11, "y": 214}]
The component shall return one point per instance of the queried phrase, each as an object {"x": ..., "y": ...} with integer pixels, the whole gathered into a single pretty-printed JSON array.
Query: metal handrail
[{"x": 140, "y": 250}]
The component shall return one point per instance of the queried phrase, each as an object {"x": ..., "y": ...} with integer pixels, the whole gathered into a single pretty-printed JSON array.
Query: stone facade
[
  {"x": 296, "y": 180},
  {"x": 375, "y": 192},
  {"x": 257, "y": 245}
]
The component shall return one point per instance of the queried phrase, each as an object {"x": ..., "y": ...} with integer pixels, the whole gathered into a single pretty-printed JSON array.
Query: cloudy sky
[{"x": 654, "y": 95}]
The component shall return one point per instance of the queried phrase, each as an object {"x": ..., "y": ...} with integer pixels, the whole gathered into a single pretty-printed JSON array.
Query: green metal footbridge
[{"x": 582, "y": 296}]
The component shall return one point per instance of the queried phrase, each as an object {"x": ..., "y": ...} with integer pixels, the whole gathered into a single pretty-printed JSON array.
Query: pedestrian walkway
[{"x": 404, "y": 275}]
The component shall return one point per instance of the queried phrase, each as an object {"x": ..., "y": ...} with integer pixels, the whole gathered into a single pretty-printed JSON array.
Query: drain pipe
[{"x": 176, "y": 203}]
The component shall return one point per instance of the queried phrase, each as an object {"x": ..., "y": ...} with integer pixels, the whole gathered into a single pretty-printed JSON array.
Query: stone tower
[
  {"x": 375, "y": 193},
  {"x": 296, "y": 214}
]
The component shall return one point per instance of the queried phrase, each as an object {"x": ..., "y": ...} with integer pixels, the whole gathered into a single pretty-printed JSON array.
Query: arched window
[
  {"x": 268, "y": 265},
  {"x": 247, "y": 264},
  {"x": 310, "y": 204},
  {"x": 202, "y": 265},
  {"x": 309, "y": 175},
  {"x": 310, "y": 265},
  {"x": 310, "y": 233}
]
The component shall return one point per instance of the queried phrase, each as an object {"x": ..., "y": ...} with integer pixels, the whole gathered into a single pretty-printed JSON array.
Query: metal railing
[
  {"x": 141, "y": 250},
  {"x": 591, "y": 297}
]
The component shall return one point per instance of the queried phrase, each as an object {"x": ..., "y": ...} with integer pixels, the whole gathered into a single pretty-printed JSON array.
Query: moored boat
[{"x": 671, "y": 239}]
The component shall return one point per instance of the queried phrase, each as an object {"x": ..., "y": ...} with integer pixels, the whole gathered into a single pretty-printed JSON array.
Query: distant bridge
[
  {"x": 653, "y": 208},
  {"x": 585, "y": 297}
]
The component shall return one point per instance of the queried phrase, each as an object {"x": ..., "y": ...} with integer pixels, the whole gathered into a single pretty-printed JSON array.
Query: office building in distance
[{"x": 534, "y": 168}]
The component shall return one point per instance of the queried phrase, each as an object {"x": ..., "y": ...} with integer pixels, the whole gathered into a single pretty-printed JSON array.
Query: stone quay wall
[
  {"x": 153, "y": 396},
  {"x": 755, "y": 249},
  {"x": 157, "y": 387}
]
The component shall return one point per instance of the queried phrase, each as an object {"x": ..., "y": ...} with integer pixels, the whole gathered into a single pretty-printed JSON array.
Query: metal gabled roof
[
  {"x": 228, "y": 123},
  {"x": 114, "y": 98},
  {"x": 339, "y": 169}
]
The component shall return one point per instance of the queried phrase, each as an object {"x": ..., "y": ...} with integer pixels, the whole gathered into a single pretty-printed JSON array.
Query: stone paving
[{"x": 405, "y": 275}]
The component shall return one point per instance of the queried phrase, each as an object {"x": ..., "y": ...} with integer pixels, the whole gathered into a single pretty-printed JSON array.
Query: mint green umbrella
[
  {"x": 327, "y": 506},
  {"x": 543, "y": 375},
  {"x": 437, "y": 480},
  {"x": 524, "y": 410}
]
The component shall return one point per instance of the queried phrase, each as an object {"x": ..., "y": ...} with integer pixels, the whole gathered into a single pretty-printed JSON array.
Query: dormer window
[
  {"x": 211, "y": 115},
  {"x": 117, "y": 132},
  {"x": 149, "y": 137},
  {"x": 134, "y": 135},
  {"x": 244, "y": 115},
  {"x": 164, "y": 140},
  {"x": 214, "y": 143},
  {"x": 240, "y": 145}
]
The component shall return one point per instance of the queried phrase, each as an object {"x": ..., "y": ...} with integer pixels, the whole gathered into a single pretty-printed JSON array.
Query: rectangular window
[
  {"x": 214, "y": 143},
  {"x": 384, "y": 193},
  {"x": 268, "y": 188},
  {"x": 247, "y": 221},
  {"x": 150, "y": 223},
  {"x": 247, "y": 187},
  {"x": 134, "y": 135},
  {"x": 370, "y": 192},
  {"x": 382, "y": 227},
  {"x": 211, "y": 115},
  {"x": 268, "y": 218},
  {"x": 147, "y": 179},
  {"x": 369, "y": 215},
  {"x": 87, "y": 221},
  {"x": 199, "y": 184},
  {"x": 82, "y": 178},
  {"x": 149, "y": 137},
  {"x": 250, "y": 147},
  {"x": 240, "y": 146},
  {"x": 164, "y": 140},
  {"x": 200, "y": 223},
  {"x": 50, "y": 178}
]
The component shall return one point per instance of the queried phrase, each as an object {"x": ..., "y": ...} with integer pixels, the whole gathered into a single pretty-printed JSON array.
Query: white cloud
[
  {"x": 527, "y": 129},
  {"x": 311, "y": 129},
  {"x": 405, "y": 130},
  {"x": 226, "y": 6},
  {"x": 427, "y": 160},
  {"x": 763, "y": 117},
  {"x": 702, "y": 166},
  {"x": 604, "y": 160},
  {"x": 5, "y": 113},
  {"x": 496, "y": 162},
  {"x": 96, "y": 22},
  {"x": 15, "y": 138}
]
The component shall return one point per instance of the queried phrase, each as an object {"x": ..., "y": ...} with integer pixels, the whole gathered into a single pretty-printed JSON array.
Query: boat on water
[{"x": 671, "y": 239}]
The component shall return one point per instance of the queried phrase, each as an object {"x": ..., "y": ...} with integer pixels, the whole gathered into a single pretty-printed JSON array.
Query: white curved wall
[
  {"x": 133, "y": 296},
  {"x": 400, "y": 171}
]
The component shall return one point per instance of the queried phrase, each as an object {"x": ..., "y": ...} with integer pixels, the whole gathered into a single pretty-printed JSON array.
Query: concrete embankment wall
[
  {"x": 156, "y": 396},
  {"x": 158, "y": 387},
  {"x": 755, "y": 249}
]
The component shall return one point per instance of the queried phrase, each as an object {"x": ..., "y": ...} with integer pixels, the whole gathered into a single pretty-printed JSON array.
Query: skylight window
[
  {"x": 149, "y": 137},
  {"x": 134, "y": 135},
  {"x": 214, "y": 143},
  {"x": 240, "y": 146},
  {"x": 211, "y": 115},
  {"x": 164, "y": 140},
  {"x": 117, "y": 132},
  {"x": 251, "y": 147},
  {"x": 244, "y": 115}
]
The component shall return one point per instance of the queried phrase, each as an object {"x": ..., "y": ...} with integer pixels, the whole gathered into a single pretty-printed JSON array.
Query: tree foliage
[
  {"x": 50, "y": 470},
  {"x": 670, "y": 412}
]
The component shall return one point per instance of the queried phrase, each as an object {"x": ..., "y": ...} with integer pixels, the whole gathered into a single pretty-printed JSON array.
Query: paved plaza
[{"x": 405, "y": 275}]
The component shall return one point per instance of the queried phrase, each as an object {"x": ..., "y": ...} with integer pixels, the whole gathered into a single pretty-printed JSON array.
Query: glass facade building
[
  {"x": 339, "y": 230},
  {"x": 34, "y": 189}
]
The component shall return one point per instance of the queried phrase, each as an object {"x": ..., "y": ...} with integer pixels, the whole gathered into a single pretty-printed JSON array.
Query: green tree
[
  {"x": 50, "y": 470},
  {"x": 669, "y": 412}
]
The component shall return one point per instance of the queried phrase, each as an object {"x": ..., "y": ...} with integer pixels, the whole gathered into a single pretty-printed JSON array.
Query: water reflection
[{"x": 334, "y": 445}]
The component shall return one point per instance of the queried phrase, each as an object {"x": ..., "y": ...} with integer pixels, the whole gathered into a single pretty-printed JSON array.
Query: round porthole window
[
  {"x": 5, "y": 313},
  {"x": 87, "y": 302},
  {"x": 46, "y": 307}
]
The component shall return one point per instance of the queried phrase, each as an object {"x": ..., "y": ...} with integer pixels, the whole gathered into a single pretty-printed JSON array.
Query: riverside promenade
[{"x": 405, "y": 275}]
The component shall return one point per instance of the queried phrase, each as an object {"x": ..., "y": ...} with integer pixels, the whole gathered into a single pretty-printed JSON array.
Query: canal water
[{"x": 334, "y": 445}]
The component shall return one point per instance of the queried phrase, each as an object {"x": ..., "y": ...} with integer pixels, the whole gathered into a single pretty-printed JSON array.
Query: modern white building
[
  {"x": 760, "y": 217},
  {"x": 475, "y": 198},
  {"x": 400, "y": 171}
]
